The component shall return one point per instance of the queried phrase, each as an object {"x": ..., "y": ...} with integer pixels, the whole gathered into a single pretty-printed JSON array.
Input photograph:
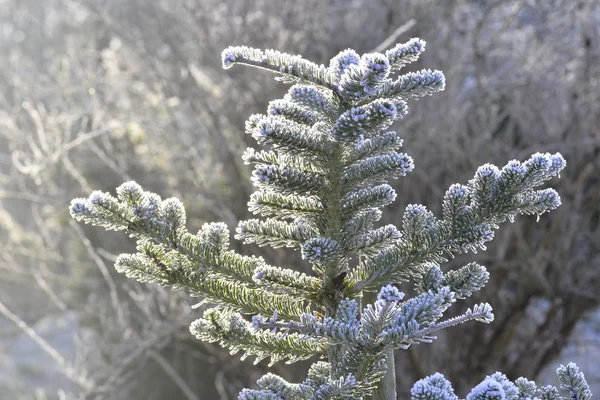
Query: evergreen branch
[
  {"x": 377, "y": 169},
  {"x": 527, "y": 389},
  {"x": 284, "y": 206},
  {"x": 494, "y": 386},
  {"x": 572, "y": 380},
  {"x": 373, "y": 241},
  {"x": 288, "y": 180},
  {"x": 394, "y": 265},
  {"x": 251, "y": 394},
  {"x": 318, "y": 374},
  {"x": 491, "y": 201},
  {"x": 363, "y": 199},
  {"x": 336, "y": 330},
  {"x": 314, "y": 99},
  {"x": 405, "y": 53},
  {"x": 341, "y": 388},
  {"x": 288, "y": 282},
  {"x": 414, "y": 84},
  {"x": 417, "y": 223},
  {"x": 161, "y": 223},
  {"x": 466, "y": 280},
  {"x": 292, "y": 68},
  {"x": 292, "y": 111},
  {"x": 481, "y": 312},
  {"x": 538, "y": 201},
  {"x": 462, "y": 282},
  {"x": 101, "y": 209},
  {"x": 339, "y": 64},
  {"x": 279, "y": 387},
  {"x": 427, "y": 307},
  {"x": 248, "y": 300},
  {"x": 288, "y": 137},
  {"x": 389, "y": 324},
  {"x": 232, "y": 331},
  {"x": 236, "y": 267},
  {"x": 368, "y": 365},
  {"x": 153, "y": 264},
  {"x": 360, "y": 79},
  {"x": 252, "y": 156},
  {"x": 483, "y": 188},
  {"x": 549, "y": 393},
  {"x": 384, "y": 325},
  {"x": 368, "y": 120},
  {"x": 455, "y": 203},
  {"x": 383, "y": 143},
  {"x": 200, "y": 254},
  {"x": 321, "y": 250},
  {"x": 169, "y": 255},
  {"x": 274, "y": 233},
  {"x": 498, "y": 385},
  {"x": 359, "y": 224},
  {"x": 434, "y": 387},
  {"x": 148, "y": 267}
]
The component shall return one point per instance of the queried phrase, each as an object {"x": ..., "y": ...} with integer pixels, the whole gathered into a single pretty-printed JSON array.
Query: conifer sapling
[{"x": 321, "y": 182}]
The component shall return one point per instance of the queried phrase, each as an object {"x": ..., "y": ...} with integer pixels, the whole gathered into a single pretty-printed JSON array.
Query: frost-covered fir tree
[{"x": 321, "y": 182}]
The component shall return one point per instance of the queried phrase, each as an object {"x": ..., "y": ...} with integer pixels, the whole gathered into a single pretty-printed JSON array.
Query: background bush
[{"x": 94, "y": 93}]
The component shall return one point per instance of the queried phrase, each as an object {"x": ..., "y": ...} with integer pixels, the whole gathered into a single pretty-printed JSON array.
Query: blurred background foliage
[{"x": 97, "y": 92}]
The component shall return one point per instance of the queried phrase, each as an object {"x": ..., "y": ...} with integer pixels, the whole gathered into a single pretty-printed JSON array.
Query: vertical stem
[
  {"x": 334, "y": 356},
  {"x": 386, "y": 388},
  {"x": 333, "y": 269}
]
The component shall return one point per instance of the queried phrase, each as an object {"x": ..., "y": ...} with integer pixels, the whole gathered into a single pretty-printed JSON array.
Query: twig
[
  {"x": 112, "y": 287},
  {"x": 173, "y": 374},
  {"x": 219, "y": 378},
  {"x": 153, "y": 344},
  {"x": 392, "y": 38},
  {"x": 64, "y": 366},
  {"x": 48, "y": 290}
]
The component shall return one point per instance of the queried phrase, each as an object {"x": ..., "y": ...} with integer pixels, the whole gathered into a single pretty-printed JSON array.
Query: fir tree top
[{"x": 321, "y": 181}]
